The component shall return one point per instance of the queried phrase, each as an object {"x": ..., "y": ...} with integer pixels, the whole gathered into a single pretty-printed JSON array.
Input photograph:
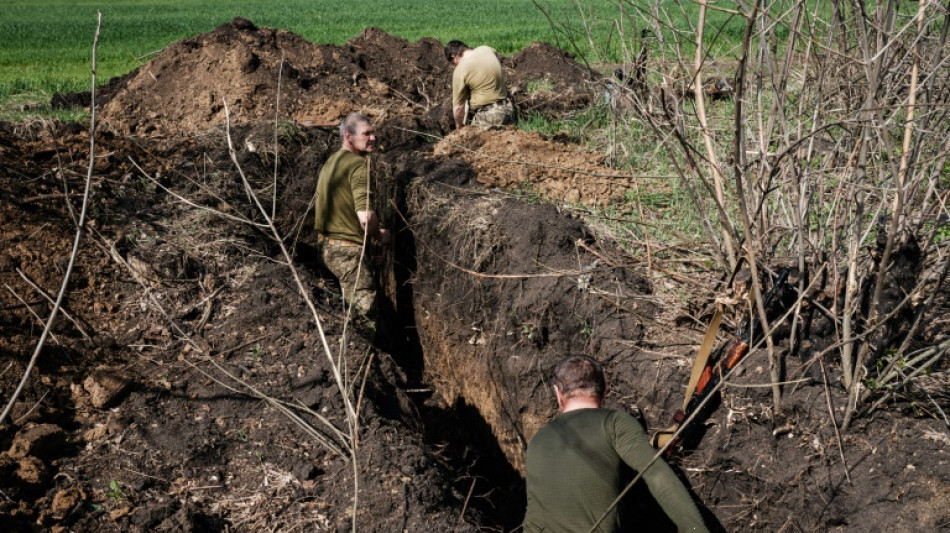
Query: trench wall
[{"x": 503, "y": 290}]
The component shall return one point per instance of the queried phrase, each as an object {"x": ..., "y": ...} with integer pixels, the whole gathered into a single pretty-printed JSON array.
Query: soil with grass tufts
[{"x": 185, "y": 386}]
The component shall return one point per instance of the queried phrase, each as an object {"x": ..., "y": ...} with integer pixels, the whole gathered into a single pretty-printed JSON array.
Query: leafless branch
[{"x": 76, "y": 239}]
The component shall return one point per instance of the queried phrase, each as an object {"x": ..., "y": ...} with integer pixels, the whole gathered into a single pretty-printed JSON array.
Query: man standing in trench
[
  {"x": 574, "y": 463},
  {"x": 345, "y": 215},
  {"x": 479, "y": 81}
]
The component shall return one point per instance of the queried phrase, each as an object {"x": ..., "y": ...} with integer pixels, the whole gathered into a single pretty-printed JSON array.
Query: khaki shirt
[
  {"x": 478, "y": 79},
  {"x": 342, "y": 190}
]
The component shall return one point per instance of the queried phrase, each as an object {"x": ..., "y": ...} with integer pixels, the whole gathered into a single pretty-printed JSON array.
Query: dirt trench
[{"x": 139, "y": 415}]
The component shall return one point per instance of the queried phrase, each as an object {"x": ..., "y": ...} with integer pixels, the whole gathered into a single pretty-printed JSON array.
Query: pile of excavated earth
[{"x": 186, "y": 384}]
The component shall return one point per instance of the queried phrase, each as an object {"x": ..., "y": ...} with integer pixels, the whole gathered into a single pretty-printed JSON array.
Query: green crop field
[{"x": 46, "y": 44}]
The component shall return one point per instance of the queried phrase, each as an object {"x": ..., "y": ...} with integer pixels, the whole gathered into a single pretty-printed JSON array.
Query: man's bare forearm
[
  {"x": 459, "y": 113},
  {"x": 370, "y": 223}
]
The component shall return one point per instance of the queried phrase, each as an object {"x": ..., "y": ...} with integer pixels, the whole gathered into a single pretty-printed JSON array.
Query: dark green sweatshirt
[{"x": 574, "y": 470}]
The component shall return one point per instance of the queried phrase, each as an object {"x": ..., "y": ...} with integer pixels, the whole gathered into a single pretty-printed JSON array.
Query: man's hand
[{"x": 459, "y": 113}]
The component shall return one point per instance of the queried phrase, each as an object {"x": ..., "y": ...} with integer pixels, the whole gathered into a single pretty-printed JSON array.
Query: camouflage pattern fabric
[
  {"x": 356, "y": 281},
  {"x": 501, "y": 113}
]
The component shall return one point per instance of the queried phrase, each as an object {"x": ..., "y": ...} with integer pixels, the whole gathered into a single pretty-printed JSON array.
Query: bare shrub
[{"x": 817, "y": 138}]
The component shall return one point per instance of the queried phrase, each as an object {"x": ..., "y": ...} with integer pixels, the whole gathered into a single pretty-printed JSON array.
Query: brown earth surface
[
  {"x": 559, "y": 172},
  {"x": 184, "y": 385}
]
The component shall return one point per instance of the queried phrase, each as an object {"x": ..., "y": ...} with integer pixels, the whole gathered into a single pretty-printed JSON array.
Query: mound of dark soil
[
  {"x": 193, "y": 84},
  {"x": 560, "y": 84},
  {"x": 148, "y": 409}
]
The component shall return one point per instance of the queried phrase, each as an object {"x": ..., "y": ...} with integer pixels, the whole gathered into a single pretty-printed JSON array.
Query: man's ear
[{"x": 560, "y": 398}]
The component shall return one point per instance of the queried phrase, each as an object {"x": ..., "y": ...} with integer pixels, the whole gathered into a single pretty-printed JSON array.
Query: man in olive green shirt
[
  {"x": 574, "y": 463},
  {"x": 479, "y": 81},
  {"x": 344, "y": 214}
]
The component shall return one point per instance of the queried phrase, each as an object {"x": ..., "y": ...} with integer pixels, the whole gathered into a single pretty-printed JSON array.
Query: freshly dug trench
[{"x": 503, "y": 290}]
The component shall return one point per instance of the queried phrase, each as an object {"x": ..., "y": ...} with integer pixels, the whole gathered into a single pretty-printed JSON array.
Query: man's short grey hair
[{"x": 351, "y": 121}]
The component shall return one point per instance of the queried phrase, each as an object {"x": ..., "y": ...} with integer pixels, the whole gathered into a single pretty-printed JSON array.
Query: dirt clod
[
  {"x": 41, "y": 440},
  {"x": 65, "y": 500},
  {"x": 106, "y": 386},
  {"x": 32, "y": 472}
]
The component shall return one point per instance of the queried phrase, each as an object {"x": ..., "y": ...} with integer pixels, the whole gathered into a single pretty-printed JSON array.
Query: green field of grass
[{"x": 46, "y": 45}]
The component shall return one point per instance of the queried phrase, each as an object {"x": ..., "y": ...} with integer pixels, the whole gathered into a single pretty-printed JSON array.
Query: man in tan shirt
[{"x": 479, "y": 81}]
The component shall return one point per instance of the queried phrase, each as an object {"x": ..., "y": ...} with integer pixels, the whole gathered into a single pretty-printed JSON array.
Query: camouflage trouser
[
  {"x": 501, "y": 113},
  {"x": 359, "y": 288}
]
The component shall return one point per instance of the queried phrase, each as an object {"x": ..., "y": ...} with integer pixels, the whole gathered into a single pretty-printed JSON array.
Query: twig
[
  {"x": 38, "y": 197},
  {"x": 282, "y": 406},
  {"x": 581, "y": 244},
  {"x": 713, "y": 161},
  {"x": 243, "y": 345},
  {"x": 76, "y": 239},
  {"x": 23, "y": 303},
  {"x": 834, "y": 423},
  {"x": 49, "y": 299},
  {"x": 934, "y": 353},
  {"x": 280, "y": 72},
  {"x": 465, "y": 505},
  {"x": 217, "y": 212},
  {"x": 767, "y": 385},
  {"x": 359, "y": 397},
  {"x": 35, "y": 405},
  {"x": 32, "y": 312},
  {"x": 339, "y": 376}
]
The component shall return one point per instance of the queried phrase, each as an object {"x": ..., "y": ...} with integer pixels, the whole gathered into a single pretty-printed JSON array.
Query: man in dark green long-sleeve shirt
[{"x": 574, "y": 463}]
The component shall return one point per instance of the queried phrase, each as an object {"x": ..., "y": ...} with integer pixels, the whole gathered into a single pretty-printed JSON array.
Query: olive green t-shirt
[
  {"x": 478, "y": 79},
  {"x": 574, "y": 473},
  {"x": 342, "y": 190}
]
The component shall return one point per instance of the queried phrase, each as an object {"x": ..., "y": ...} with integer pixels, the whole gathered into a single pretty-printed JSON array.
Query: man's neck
[
  {"x": 580, "y": 402},
  {"x": 350, "y": 149}
]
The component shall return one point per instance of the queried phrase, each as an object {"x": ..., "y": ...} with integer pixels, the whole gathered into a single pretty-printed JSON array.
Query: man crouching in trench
[
  {"x": 574, "y": 462},
  {"x": 345, "y": 215}
]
